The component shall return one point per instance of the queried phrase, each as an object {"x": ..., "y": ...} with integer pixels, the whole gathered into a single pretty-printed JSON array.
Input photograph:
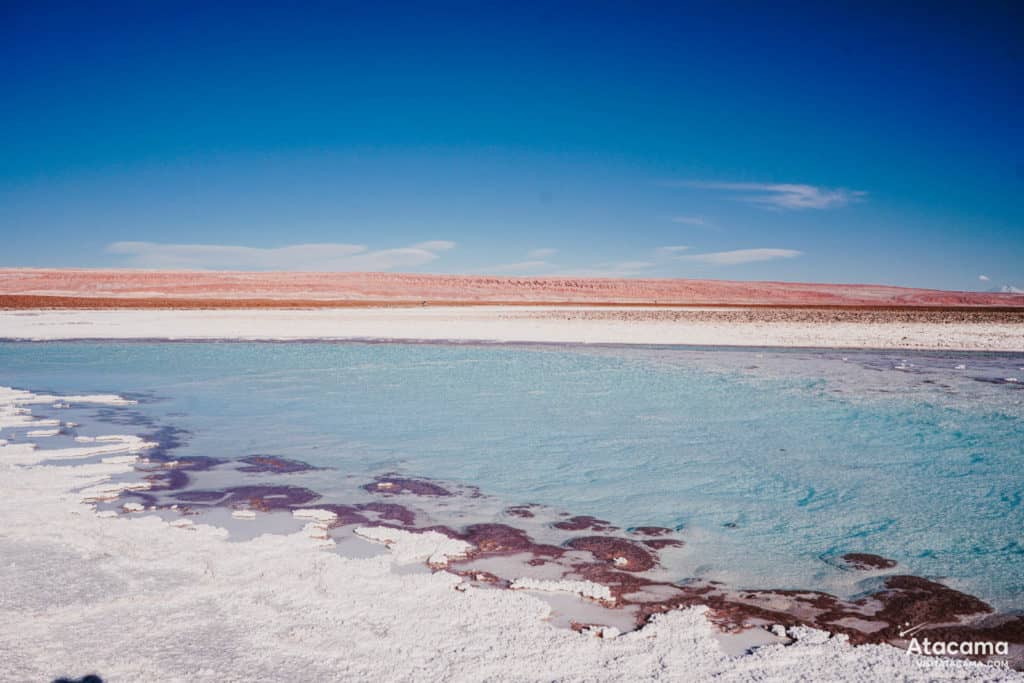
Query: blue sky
[{"x": 728, "y": 140}]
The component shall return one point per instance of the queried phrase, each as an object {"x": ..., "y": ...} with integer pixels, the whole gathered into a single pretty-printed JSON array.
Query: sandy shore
[{"x": 976, "y": 330}]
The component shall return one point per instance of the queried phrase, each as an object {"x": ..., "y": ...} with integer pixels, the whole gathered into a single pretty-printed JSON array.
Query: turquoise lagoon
[{"x": 770, "y": 461}]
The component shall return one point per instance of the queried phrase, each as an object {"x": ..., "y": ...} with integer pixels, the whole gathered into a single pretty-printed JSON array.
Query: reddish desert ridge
[{"x": 33, "y": 288}]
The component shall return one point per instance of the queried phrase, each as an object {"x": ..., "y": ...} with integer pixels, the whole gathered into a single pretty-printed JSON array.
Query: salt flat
[{"x": 976, "y": 330}]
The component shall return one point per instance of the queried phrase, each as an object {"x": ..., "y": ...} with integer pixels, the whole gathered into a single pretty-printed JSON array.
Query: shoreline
[
  {"x": 191, "y": 584},
  {"x": 616, "y": 574},
  {"x": 706, "y": 326}
]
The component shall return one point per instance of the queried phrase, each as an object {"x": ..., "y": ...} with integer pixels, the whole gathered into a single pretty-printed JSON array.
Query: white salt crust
[
  {"x": 406, "y": 547},
  {"x": 137, "y": 598},
  {"x": 497, "y": 323},
  {"x": 586, "y": 589}
]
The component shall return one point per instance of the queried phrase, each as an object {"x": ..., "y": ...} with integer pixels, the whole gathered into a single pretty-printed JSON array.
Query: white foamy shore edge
[
  {"x": 498, "y": 324},
  {"x": 137, "y": 598}
]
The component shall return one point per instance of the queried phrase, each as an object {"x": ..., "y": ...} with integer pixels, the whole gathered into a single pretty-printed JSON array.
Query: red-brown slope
[{"x": 395, "y": 287}]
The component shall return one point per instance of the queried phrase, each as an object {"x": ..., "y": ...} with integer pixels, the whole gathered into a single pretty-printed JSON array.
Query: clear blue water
[{"x": 808, "y": 454}]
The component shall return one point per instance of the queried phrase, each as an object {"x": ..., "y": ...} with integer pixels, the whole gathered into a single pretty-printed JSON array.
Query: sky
[{"x": 850, "y": 142}]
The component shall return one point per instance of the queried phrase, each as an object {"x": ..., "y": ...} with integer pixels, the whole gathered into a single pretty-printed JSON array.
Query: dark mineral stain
[
  {"x": 123, "y": 417},
  {"x": 523, "y": 511},
  {"x": 264, "y": 498},
  {"x": 585, "y": 523},
  {"x": 618, "y": 552},
  {"x": 865, "y": 561},
  {"x": 273, "y": 464},
  {"x": 1008, "y": 627},
  {"x": 199, "y": 463},
  {"x": 905, "y": 600},
  {"x": 650, "y": 530},
  {"x": 392, "y": 511},
  {"x": 166, "y": 440},
  {"x": 504, "y": 539},
  {"x": 397, "y": 485},
  {"x": 202, "y": 496},
  {"x": 167, "y": 480},
  {"x": 915, "y": 600}
]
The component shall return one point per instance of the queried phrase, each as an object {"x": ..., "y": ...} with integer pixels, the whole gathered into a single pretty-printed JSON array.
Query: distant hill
[{"x": 30, "y": 288}]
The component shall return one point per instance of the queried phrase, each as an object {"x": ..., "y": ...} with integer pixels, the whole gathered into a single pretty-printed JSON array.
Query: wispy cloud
[
  {"x": 435, "y": 245},
  {"x": 522, "y": 267},
  {"x": 633, "y": 266},
  {"x": 672, "y": 250},
  {"x": 309, "y": 257},
  {"x": 617, "y": 269},
  {"x": 983, "y": 278},
  {"x": 535, "y": 262},
  {"x": 688, "y": 220},
  {"x": 780, "y": 195},
  {"x": 739, "y": 256}
]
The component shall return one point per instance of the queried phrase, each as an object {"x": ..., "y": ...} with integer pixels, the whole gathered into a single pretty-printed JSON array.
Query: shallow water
[{"x": 772, "y": 462}]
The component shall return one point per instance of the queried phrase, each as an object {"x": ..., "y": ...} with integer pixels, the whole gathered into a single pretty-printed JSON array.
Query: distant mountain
[{"x": 1006, "y": 289}]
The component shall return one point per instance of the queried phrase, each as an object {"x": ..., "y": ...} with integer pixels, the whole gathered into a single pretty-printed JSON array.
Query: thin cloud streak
[
  {"x": 740, "y": 256},
  {"x": 610, "y": 270},
  {"x": 792, "y": 196},
  {"x": 541, "y": 254},
  {"x": 295, "y": 257},
  {"x": 517, "y": 268},
  {"x": 435, "y": 245}
]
